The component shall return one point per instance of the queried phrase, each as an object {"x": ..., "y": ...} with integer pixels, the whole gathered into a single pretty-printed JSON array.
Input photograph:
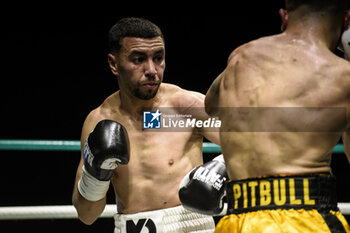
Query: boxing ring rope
[
  {"x": 68, "y": 211},
  {"x": 48, "y": 212},
  {"x": 74, "y": 145}
]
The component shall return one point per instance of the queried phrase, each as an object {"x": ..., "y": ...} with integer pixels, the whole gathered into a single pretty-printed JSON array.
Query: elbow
[
  {"x": 87, "y": 220},
  {"x": 84, "y": 215}
]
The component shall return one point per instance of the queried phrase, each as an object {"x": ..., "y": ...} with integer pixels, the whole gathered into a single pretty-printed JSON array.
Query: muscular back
[{"x": 282, "y": 107}]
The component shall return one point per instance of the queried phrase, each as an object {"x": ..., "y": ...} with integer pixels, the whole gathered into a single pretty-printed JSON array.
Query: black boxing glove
[
  {"x": 105, "y": 147},
  {"x": 202, "y": 190}
]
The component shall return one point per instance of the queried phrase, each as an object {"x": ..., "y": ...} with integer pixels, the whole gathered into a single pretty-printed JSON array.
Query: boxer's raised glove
[
  {"x": 202, "y": 190},
  {"x": 105, "y": 147}
]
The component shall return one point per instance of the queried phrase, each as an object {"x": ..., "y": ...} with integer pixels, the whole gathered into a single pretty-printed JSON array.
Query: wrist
[{"x": 91, "y": 188}]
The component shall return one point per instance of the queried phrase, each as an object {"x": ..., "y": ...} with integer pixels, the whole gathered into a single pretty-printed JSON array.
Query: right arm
[
  {"x": 88, "y": 211},
  {"x": 103, "y": 148}
]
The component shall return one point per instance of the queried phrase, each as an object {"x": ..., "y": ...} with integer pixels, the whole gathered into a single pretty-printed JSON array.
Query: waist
[
  {"x": 170, "y": 220},
  {"x": 147, "y": 197},
  {"x": 282, "y": 192}
]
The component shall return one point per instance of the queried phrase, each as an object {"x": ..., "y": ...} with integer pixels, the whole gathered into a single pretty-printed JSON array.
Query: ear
[
  {"x": 112, "y": 62},
  {"x": 284, "y": 19},
  {"x": 346, "y": 20}
]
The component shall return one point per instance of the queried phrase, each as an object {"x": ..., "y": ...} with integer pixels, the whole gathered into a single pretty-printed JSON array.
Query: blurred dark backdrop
[{"x": 54, "y": 72}]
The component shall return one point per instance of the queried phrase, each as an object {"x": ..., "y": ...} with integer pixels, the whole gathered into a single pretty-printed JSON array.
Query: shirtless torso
[{"x": 158, "y": 159}]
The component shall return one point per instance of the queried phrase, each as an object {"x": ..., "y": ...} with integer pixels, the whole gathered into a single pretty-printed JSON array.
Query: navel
[{"x": 171, "y": 162}]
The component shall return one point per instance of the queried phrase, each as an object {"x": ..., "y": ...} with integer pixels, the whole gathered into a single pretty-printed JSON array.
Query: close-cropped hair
[
  {"x": 131, "y": 27},
  {"x": 317, "y": 5}
]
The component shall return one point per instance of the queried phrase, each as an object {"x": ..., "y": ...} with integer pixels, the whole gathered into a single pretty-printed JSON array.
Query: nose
[{"x": 150, "y": 68}]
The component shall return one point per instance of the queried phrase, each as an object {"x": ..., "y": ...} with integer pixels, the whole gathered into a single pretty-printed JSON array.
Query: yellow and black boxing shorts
[{"x": 283, "y": 204}]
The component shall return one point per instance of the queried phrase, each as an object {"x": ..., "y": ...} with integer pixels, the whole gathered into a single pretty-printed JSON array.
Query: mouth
[
  {"x": 147, "y": 90},
  {"x": 150, "y": 84}
]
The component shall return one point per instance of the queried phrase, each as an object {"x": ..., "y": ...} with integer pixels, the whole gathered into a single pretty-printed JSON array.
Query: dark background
[{"x": 54, "y": 72}]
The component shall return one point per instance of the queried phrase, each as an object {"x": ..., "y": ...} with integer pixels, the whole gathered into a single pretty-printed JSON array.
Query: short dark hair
[
  {"x": 318, "y": 5},
  {"x": 131, "y": 27}
]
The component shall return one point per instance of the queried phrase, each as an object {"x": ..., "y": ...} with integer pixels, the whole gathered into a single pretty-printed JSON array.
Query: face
[{"x": 139, "y": 66}]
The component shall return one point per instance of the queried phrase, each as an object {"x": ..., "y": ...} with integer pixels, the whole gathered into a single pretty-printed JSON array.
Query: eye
[
  {"x": 158, "y": 58},
  {"x": 138, "y": 60}
]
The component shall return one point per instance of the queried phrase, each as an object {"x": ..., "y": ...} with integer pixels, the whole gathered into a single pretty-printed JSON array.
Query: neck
[
  {"x": 136, "y": 106},
  {"x": 319, "y": 30}
]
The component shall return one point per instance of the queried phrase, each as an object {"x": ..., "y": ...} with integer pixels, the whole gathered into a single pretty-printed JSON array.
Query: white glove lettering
[{"x": 209, "y": 177}]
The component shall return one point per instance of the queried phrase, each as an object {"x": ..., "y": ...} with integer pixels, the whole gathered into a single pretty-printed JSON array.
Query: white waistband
[{"x": 171, "y": 220}]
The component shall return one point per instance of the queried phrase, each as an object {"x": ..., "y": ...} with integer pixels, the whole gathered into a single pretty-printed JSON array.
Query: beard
[{"x": 145, "y": 95}]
